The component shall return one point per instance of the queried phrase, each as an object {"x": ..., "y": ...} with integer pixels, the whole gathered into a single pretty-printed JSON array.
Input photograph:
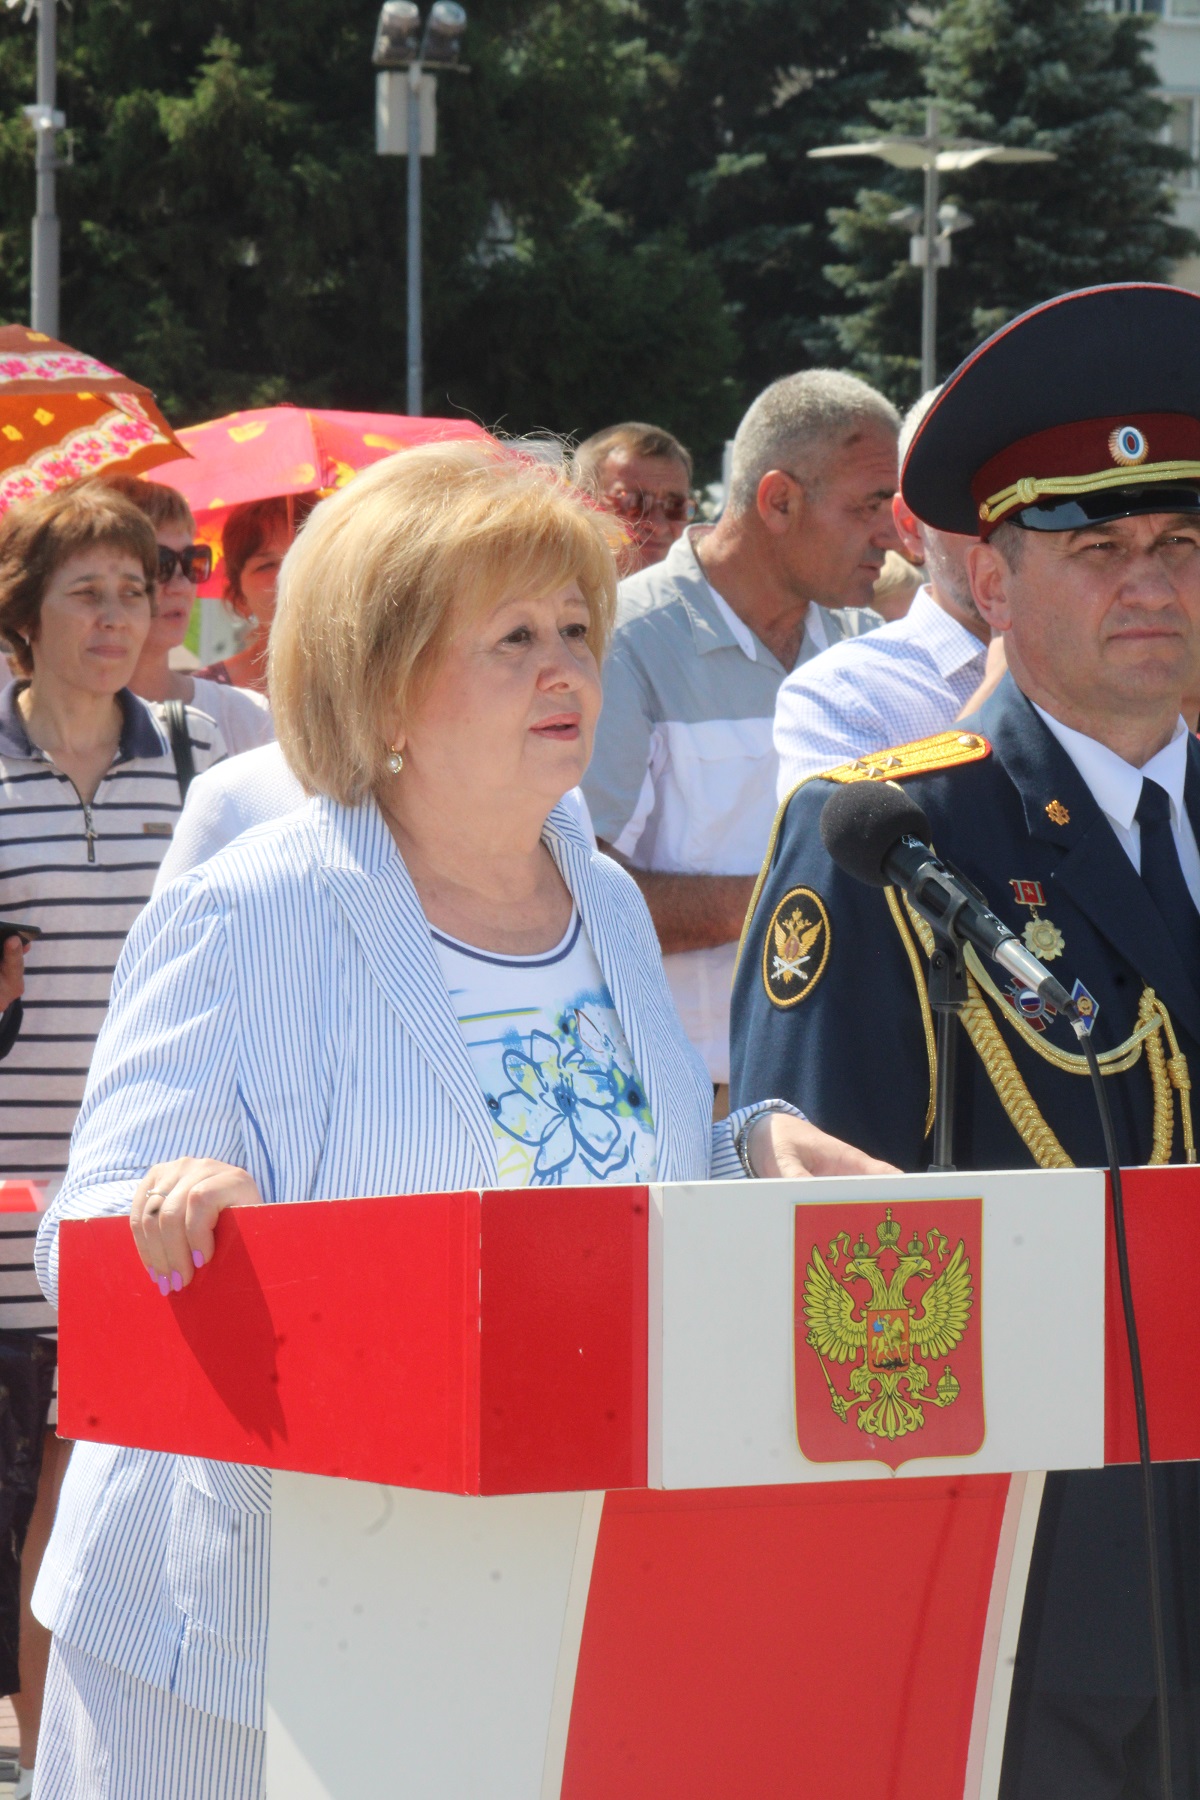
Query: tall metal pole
[
  {"x": 44, "y": 307},
  {"x": 929, "y": 284},
  {"x": 415, "y": 382}
]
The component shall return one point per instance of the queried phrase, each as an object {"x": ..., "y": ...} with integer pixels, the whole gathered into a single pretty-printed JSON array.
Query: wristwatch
[{"x": 743, "y": 1132}]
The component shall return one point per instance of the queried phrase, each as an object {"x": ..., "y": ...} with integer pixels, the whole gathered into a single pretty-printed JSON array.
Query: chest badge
[
  {"x": 795, "y": 948},
  {"x": 1035, "y": 1011},
  {"x": 1040, "y": 936},
  {"x": 1057, "y": 813}
]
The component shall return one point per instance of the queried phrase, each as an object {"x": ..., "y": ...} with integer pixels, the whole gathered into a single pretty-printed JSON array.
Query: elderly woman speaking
[{"x": 423, "y": 979}]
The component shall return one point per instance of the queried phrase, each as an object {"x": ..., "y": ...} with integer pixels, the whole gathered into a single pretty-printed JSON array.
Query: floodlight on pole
[
  {"x": 397, "y": 35},
  {"x": 933, "y": 155},
  {"x": 406, "y": 125},
  {"x": 444, "y": 31}
]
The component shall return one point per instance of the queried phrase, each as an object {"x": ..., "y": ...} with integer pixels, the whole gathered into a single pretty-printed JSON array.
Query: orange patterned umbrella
[
  {"x": 278, "y": 451},
  {"x": 63, "y": 414}
]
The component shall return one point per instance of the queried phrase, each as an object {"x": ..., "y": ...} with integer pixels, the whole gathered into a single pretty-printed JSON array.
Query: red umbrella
[
  {"x": 63, "y": 414},
  {"x": 283, "y": 450}
]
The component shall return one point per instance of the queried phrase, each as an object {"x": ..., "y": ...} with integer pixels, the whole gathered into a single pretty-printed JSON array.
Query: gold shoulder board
[{"x": 945, "y": 750}]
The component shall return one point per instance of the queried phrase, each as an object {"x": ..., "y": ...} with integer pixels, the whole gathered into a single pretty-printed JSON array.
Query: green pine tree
[
  {"x": 1057, "y": 75},
  {"x": 231, "y": 238},
  {"x": 733, "y": 95}
]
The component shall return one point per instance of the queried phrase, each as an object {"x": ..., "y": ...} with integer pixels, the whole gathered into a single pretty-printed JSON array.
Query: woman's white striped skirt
[{"x": 108, "y": 1736}]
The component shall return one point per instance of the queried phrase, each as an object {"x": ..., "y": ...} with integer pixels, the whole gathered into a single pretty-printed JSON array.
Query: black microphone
[{"x": 875, "y": 832}]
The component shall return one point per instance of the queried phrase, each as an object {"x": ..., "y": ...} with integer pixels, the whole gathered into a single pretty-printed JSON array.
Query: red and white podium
[{"x": 642, "y": 1493}]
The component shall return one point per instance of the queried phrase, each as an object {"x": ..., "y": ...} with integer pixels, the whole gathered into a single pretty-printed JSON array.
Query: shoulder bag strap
[{"x": 181, "y": 746}]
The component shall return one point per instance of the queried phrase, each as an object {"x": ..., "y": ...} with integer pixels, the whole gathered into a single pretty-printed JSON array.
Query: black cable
[{"x": 1157, "y": 1632}]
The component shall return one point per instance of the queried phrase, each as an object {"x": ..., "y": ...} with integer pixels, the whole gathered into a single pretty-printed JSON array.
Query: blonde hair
[
  {"x": 896, "y": 585},
  {"x": 373, "y": 588}
]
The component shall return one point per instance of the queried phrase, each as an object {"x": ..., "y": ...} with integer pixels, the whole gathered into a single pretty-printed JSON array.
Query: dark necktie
[{"x": 1163, "y": 875}]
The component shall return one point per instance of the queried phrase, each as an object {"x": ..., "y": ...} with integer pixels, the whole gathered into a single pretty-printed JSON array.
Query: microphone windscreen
[{"x": 861, "y": 822}]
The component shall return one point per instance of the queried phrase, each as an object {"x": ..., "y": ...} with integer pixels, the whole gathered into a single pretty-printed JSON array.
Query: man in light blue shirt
[{"x": 908, "y": 680}]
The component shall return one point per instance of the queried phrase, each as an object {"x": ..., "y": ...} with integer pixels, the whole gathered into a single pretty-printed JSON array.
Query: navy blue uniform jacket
[{"x": 853, "y": 1053}]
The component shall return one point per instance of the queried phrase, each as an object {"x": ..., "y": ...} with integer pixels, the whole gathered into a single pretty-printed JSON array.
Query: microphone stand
[{"x": 947, "y": 997}]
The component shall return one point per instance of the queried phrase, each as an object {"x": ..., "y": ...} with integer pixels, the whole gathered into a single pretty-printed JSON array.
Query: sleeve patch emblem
[{"x": 796, "y": 947}]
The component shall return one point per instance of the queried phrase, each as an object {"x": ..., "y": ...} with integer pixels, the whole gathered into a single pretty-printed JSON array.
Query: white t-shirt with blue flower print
[{"x": 567, "y": 1104}]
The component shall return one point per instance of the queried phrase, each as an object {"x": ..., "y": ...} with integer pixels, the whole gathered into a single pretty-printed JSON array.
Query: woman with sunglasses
[{"x": 243, "y": 716}]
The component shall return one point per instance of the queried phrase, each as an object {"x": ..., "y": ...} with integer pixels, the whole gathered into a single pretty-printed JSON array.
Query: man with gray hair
[
  {"x": 682, "y": 781},
  {"x": 909, "y": 680}
]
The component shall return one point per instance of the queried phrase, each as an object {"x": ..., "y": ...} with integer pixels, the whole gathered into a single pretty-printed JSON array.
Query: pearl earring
[{"x": 395, "y": 762}]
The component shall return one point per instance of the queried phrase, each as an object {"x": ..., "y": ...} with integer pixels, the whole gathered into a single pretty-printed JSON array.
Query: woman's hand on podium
[
  {"x": 779, "y": 1143},
  {"x": 175, "y": 1211}
]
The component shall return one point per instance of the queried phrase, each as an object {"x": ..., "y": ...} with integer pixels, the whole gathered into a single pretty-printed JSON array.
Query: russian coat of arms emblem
[{"x": 889, "y": 1363}]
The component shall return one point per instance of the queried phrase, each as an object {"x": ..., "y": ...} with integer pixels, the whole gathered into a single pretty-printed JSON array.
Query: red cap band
[{"x": 1086, "y": 458}]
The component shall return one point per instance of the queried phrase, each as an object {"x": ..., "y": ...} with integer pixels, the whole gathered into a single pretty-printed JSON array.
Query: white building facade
[{"x": 1175, "y": 36}]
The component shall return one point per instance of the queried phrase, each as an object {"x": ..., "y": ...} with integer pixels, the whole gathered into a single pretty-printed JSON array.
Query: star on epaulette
[{"x": 945, "y": 750}]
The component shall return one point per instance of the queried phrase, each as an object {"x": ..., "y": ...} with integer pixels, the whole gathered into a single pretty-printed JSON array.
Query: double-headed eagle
[
  {"x": 889, "y": 1382},
  {"x": 794, "y": 939}
]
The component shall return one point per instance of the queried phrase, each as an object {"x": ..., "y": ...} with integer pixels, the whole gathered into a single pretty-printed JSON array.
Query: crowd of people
[{"x": 504, "y": 748}]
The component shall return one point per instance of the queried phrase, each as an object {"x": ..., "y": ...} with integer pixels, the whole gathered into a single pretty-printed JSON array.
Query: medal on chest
[{"x": 1041, "y": 936}]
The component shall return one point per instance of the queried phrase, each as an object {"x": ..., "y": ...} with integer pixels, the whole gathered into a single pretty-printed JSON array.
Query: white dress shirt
[
  {"x": 904, "y": 681},
  {"x": 1116, "y": 787}
]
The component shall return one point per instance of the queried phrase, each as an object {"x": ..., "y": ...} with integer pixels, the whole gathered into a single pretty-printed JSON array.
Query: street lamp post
[
  {"x": 47, "y": 122},
  {"x": 933, "y": 154},
  {"x": 406, "y": 125},
  {"x": 415, "y": 348},
  {"x": 930, "y": 267}
]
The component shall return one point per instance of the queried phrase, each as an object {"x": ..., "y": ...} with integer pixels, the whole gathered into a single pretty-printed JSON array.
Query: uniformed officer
[{"x": 1071, "y": 442}]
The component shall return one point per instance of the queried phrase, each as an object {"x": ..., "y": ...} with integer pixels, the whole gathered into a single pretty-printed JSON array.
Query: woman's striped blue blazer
[{"x": 281, "y": 1007}]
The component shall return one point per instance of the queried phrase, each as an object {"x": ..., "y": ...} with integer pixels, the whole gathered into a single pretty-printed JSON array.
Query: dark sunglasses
[
  {"x": 195, "y": 563},
  {"x": 631, "y": 503}
]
